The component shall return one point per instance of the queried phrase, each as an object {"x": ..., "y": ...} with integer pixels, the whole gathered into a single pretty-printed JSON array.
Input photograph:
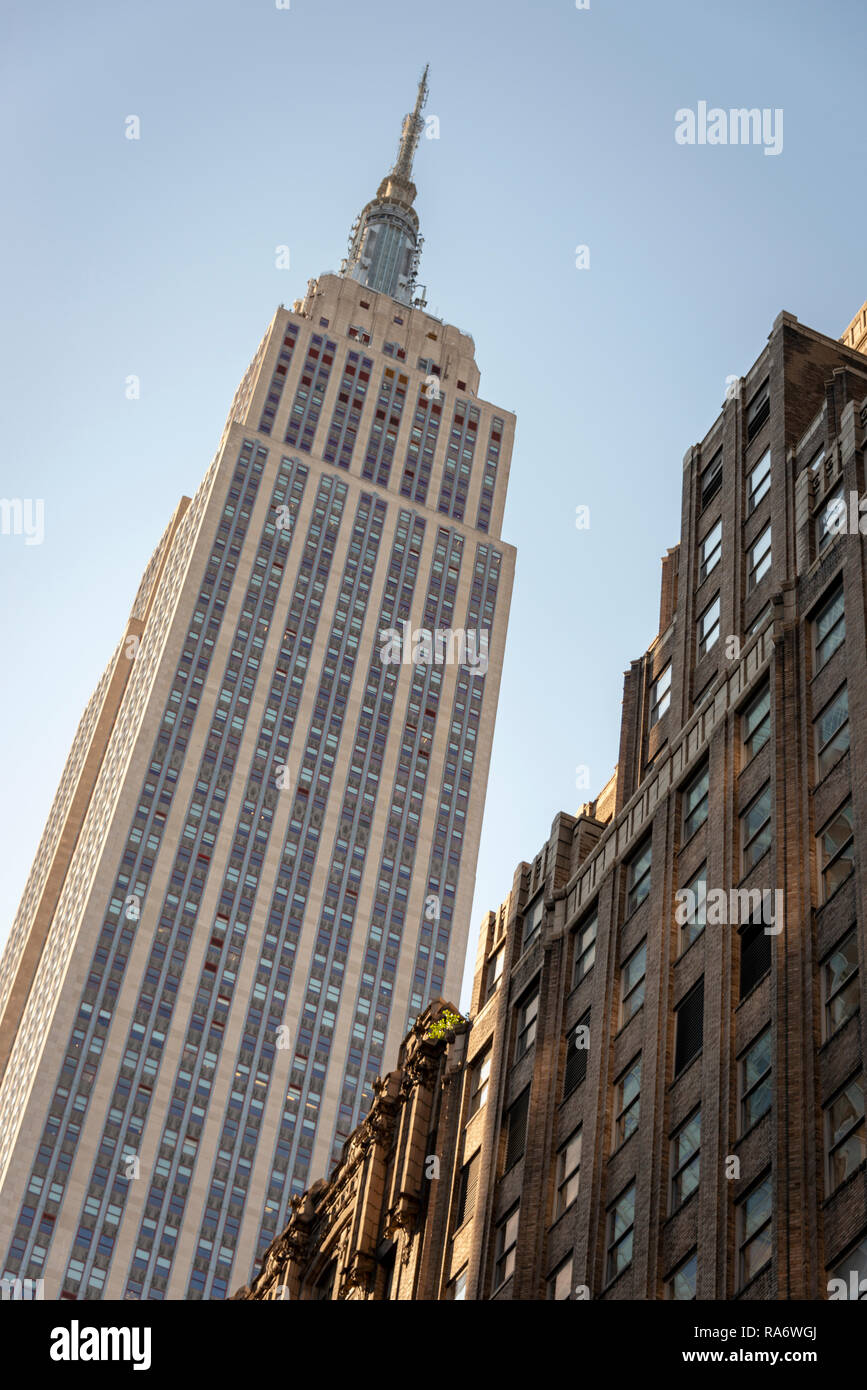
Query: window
[
  {"x": 847, "y": 1147},
  {"x": 585, "y": 947},
  {"x": 695, "y": 920},
  {"x": 709, "y": 552},
  {"x": 758, "y": 411},
  {"x": 711, "y": 479},
  {"x": 516, "y": 1122},
  {"x": 638, "y": 878},
  {"x": 755, "y": 955},
  {"x": 756, "y": 828},
  {"x": 456, "y": 1291},
  {"x": 695, "y": 799},
  {"x": 759, "y": 559},
  {"x": 568, "y": 1173},
  {"x": 689, "y": 1027},
  {"x": 632, "y": 983},
  {"x": 527, "y": 1012},
  {"x": 758, "y": 482},
  {"x": 756, "y": 722},
  {"x": 854, "y": 1263},
  {"x": 468, "y": 1183},
  {"x": 507, "y": 1236},
  {"x": 708, "y": 628},
  {"x": 577, "y": 1049},
  {"x": 681, "y": 1285},
  {"x": 836, "y": 850},
  {"x": 621, "y": 1222},
  {"x": 533, "y": 921},
  {"x": 830, "y": 518},
  {"x": 829, "y": 628},
  {"x": 756, "y": 1081},
  {"x": 840, "y": 985},
  {"x": 754, "y": 1230},
  {"x": 494, "y": 973},
  {"x": 660, "y": 695},
  {"x": 560, "y": 1282},
  {"x": 832, "y": 732},
  {"x": 479, "y": 1078},
  {"x": 685, "y": 1160},
  {"x": 627, "y": 1103},
  {"x": 760, "y": 620}
]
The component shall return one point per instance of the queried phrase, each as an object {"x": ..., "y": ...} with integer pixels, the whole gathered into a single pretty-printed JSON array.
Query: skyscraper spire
[
  {"x": 413, "y": 125},
  {"x": 384, "y": 243}
]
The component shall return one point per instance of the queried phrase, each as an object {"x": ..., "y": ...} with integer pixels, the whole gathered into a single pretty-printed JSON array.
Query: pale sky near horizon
[{"x": 263, "y": 127}]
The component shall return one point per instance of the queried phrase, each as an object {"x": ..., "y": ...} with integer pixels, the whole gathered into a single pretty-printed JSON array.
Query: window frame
[
  {"x": 638, "y": 887},
  {"x": 695, "y": 990},
  {"x": 833, "y": 991},
  {"x": 836, "y": 1140},
  {"x": 497, "y": 960},
  {"x": 848, "y": 844},
  {"x": 660, "y": 696},
  {"x": 690, "y": 827},
  {"x": 835, "y": 594},
  {"x": 745, "y": 1092},
  {"x": 502, "y": 1251},
  {"x": 625, "y": 1122},
  {"x": 749, "y": 841},
  {"x": 565, "y": 1175},
  {"x": 625, "y": 994},
  {"x": 759, "y": 562},
  {"x": 678, "y": 1168},
  {"x": 747, "y": 1237},
  {"x": 479, "y": 1082},
  {"x": 710, "y": 479},
  {"x": 836, "y": 499},
  {"x": 703, "y": 632},
  {"x": 758, "y": 487},
  {"x": 532, "y": 918},
  {"x": 821, "y": 748},
  {"x": 708, "y": 559},
  {"x": 763, "y": 725},
  {"x": 688, "y": 932},
  {"x": 690, "y": 1259},
  {"x": 578, "y": 955},
  {"x": 522, "y": 1027},
  {"x": 615, "y": 1241},
  {"x": 553, "y": 1278}
]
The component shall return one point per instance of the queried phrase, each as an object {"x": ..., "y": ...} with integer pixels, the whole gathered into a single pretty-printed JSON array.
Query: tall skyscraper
[{"x": 259, "y": 863}]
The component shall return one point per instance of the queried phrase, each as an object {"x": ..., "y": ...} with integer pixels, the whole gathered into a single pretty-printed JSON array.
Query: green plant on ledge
[{"x": 444, "y": 1024}]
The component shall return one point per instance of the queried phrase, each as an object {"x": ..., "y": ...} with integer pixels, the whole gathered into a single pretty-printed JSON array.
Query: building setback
[
  {"x": 260, "y": 860},
  {"x": 662, "y": 1095}
]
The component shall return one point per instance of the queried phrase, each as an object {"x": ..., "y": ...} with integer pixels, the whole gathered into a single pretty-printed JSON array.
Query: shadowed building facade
[
  {"x": 260, "y": 861},
  {"x": 661, "y": 1094}
]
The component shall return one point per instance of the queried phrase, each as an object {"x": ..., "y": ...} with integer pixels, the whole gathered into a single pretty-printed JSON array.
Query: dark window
[
  {"x": 516, "y": 1118},
  {"x": 711, "y": 479},
  {"x": 577, "y": 1049},
  {"x": 468, "y": 1182},
  {"x": 755, "y": 955},
  {"x": 689, "y": 1028},
  {"x": 758, "y": 411}
]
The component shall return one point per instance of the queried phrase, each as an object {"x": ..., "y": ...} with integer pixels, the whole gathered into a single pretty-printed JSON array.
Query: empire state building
[{"x": 259, "y": 863}]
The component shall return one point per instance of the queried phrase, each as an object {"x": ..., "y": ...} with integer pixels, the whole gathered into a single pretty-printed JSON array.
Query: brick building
[{"x": 661, "y": 1094}]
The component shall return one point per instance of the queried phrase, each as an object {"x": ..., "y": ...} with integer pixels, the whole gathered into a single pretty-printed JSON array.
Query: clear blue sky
[{"x": 262, "y": 127}]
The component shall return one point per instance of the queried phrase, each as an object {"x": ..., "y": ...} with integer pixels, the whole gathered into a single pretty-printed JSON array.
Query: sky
[{"x": 263, "y": 127}]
